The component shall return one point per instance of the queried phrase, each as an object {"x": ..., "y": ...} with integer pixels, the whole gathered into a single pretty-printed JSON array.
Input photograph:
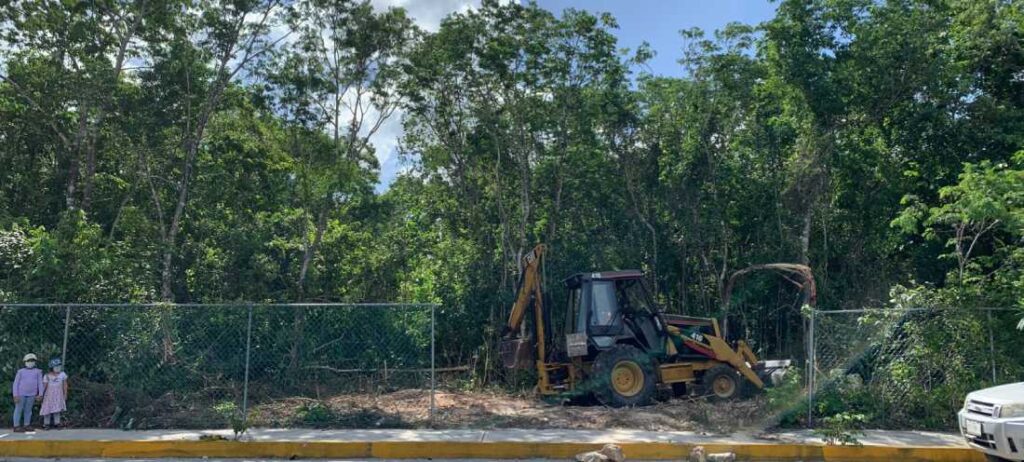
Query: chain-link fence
[
  {"x": 136, "y": 366},
  {"x": 908, "y": 367},
  {"x": 773, "y": 331}
]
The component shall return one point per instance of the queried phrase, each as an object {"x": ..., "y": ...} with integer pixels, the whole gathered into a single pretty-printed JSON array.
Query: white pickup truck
[{"x": 992, "y": 421}]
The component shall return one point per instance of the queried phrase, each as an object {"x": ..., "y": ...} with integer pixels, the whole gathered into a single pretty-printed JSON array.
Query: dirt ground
[{"x": 409, "y": 409}]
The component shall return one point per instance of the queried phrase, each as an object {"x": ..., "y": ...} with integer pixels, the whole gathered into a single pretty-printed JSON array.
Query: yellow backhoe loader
[{"x": 616, "y": 344}]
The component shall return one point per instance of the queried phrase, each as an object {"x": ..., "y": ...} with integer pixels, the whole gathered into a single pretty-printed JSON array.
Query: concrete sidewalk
[{"x": 490, "y": 444}]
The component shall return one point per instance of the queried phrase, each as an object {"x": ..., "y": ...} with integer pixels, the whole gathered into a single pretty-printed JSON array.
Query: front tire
[
  {"x": 722, "y": 383},
  {"x": 623, "y": 376}
]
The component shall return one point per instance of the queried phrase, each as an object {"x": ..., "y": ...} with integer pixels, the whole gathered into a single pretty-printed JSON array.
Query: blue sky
[{"x": 657, "y": 22}]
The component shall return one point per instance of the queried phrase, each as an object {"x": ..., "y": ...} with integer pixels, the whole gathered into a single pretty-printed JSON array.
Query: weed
[
  {"x": 316, "y": 414},
  {"x": 239, "y": 423},
  {"x": 842, "y": 429}
]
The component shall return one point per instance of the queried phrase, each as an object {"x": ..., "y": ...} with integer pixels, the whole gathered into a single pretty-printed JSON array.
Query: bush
[
  {"x": 787, "y": 401},
  {"x": 842, "y": 429},
  {"x": 238, "y": 421},
  {"x": 316, "y": 414}
]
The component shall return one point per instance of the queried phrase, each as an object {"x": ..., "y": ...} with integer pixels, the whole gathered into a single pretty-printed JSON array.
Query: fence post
[
  {"x": 67, "y": 324},
  {"x": 433, "y": 382},
  {"x": 811, "y": 372},
  {"x": 245, "y": 385}
]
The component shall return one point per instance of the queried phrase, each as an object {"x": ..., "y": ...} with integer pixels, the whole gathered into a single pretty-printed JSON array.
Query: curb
[{"x": 463, "y": 450}]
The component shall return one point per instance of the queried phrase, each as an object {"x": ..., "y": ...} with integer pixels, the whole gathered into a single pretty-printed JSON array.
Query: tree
[
  {"x": 982, "y": 220},
  {"x": 338, "y": 77},
  {"x": 232, "y": 35}
]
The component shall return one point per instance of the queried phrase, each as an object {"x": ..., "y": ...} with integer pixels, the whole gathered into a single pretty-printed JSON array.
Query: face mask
[{"x": 30, "y": 364}]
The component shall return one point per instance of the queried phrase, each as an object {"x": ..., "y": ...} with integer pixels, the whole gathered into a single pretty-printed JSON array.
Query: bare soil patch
[{"x": 483, "y": 410}]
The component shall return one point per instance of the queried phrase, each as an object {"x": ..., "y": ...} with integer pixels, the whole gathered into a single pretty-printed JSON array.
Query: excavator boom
[{"x": 529, "y": 287}]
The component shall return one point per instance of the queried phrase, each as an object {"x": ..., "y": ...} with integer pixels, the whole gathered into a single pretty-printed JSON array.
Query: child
[
  {"x": 55, "y": 393},
  {"x": 28, "y": 388}
]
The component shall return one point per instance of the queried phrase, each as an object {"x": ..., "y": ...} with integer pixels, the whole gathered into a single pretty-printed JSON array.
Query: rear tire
[
  {"x": 623, "y": 376},
  {"x": 722, "y": 383}
]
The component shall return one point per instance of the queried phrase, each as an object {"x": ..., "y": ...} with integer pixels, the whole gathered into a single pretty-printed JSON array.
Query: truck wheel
[
  {"x": 623, "y": 376},
  {"x": 722, "y": 383}
]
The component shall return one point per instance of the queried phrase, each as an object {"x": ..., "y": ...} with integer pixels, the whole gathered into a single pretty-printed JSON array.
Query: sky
[{"x": 657, "y": 22}]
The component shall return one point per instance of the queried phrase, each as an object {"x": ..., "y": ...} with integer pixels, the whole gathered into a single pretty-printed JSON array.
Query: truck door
[{"x": 604, "y": 321}]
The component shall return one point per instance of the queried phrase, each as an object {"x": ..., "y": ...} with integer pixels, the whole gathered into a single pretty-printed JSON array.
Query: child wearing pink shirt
[{"x": 55, "y": 394}]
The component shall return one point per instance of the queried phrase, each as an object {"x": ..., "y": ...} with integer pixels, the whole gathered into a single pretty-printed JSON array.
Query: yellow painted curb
[{"x": 463, "y": 450}]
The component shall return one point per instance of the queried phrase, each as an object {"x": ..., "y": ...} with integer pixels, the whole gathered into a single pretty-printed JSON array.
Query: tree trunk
[
  {"x": 75, "y": 161},
  {"x": 90, "y": 173},
  {"x": 299, "y": 313},
  {"x": 72, "y": 181},
  {"x": 166, "y": 329},
  {"x": 805, "y": 235},
  {"x": 310, "y": 251},
  {"x": 171, "y": 237}
]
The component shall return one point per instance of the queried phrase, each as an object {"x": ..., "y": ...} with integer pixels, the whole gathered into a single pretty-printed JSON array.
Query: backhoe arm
[{"x": 529, "y": 287}]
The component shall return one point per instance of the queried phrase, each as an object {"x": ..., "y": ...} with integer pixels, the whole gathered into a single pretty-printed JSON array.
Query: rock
[
  {"x": 592, "y": 456},
  {"x": 609, "y": 453},
  {"x": 613, "y": 452},
  {"x": 698, "y": 454}
]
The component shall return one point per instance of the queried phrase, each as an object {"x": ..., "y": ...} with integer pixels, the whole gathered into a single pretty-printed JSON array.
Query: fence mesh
[
  {"x": 199, "y": 366},
  {"x": 911, "y": 366},
  {"x": 346, "y": 366}
]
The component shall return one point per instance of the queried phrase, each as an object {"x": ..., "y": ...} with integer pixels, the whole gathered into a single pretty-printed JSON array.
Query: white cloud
[{"x": 428, "y": 13}]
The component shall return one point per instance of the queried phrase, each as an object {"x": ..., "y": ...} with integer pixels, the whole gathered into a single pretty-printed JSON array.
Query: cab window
[
  {"x": 605, "y": 304},
  {"x": 636, "y": 298},
  {"x": 573, "y": 311}
]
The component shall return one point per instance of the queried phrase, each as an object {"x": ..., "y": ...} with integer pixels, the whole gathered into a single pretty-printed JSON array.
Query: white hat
[{"x": 29, "y": 357}]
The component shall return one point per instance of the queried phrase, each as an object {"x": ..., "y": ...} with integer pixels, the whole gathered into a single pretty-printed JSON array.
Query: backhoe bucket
[{"x": 518, "y": 353}]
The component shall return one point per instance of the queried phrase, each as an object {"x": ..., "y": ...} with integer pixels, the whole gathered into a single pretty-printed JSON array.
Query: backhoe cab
[{"x": 615, "y": 343}]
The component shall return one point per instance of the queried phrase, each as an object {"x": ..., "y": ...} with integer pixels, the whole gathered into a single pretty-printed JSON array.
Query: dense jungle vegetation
[{"x": 205, "y": 151}]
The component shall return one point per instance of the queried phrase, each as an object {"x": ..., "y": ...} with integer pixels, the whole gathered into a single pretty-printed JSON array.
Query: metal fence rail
[{"x": 204, "y": 365}]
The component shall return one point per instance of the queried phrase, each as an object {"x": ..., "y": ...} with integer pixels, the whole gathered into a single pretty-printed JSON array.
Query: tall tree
[
  {"x": 229, "y": 35},
  {"x": 337, "y": 78}
]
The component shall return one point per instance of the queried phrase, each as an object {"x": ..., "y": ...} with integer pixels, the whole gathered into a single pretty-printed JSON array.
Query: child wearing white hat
[{"x": 27, "y": 389}]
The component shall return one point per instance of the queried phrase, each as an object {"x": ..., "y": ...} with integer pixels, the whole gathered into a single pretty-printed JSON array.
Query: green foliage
[
  {"x": 229, "y": 411},
  {"x": 878, "y": 142},
  {"x": 844, "y": 394},
  {"x": 980, "y": 220},
  {"x": 315, "y": 414},
  {"x": 842, "y": 429},
  {"x": 788, "y": 399}
]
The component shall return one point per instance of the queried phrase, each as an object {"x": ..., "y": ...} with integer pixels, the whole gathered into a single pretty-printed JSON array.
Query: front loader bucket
[
  {"x": 773, "y": 372},
  {"x": 518, "y": 353}
]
